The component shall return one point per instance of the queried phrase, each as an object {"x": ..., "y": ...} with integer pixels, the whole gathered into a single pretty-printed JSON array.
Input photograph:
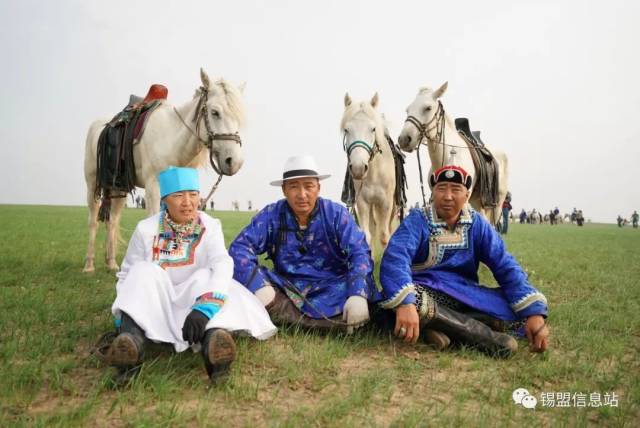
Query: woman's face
[{"x": 183, "y": 206}]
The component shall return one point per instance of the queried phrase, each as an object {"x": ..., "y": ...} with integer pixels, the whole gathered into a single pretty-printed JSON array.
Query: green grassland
[{"x": 51, "y": 314}]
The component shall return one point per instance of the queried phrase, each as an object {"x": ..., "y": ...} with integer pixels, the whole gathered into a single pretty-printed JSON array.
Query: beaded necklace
[{"x": 171, "y": 237}]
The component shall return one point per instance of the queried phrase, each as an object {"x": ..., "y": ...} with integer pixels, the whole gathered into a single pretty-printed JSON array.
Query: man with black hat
[
  {"x": 429, "y": 276},
  {"x": 322, "y": 274}
]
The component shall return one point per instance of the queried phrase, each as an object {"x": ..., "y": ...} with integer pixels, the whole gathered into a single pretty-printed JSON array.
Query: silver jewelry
[{"x": 402, "y": 331}]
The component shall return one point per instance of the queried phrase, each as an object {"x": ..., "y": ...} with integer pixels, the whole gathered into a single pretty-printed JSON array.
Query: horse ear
[
  {"x": 441, "y": 90},
  {"x": 347, "y": 100},
  {"x": 374, "y": 100},
  {"x": 204, "y": 78},
  {"x": 242, "y": 86}
]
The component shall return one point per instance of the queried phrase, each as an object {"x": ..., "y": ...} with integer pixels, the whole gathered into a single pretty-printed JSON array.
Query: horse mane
[{"x": 235, "y": 105}]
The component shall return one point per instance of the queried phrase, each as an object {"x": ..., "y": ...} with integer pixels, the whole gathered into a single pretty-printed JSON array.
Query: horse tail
[{"x": 104, "y": 214}]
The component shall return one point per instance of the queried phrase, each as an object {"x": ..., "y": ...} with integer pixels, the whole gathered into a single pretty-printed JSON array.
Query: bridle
[
  {"x": 202, "y": 112},
  {"x": 424, "y": 129},
  {"x": 372, "y": 150},
  {"x": 435, "y": 123},
  {"x": 202, "y": 115}
]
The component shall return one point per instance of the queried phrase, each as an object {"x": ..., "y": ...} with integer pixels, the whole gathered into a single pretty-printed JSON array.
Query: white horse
[
  {"x": 171, "y": 138},
  {"x": 372, "y": 167},
  {"x": 426, "y": 119}
]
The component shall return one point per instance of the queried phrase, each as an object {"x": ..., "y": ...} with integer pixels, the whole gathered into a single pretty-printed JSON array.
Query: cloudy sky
[{"x": 555, "y": 84}]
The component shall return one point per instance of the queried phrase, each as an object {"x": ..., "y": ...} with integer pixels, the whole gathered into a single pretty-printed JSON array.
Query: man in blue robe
[
  {"x": 429, "y": 276},
  {"x": 322, "y": 275}
]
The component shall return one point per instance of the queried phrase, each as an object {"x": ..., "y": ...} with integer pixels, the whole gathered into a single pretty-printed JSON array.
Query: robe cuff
[
  {"x": 406, "y": 293},
  {"x": 532, "y": 304},
  {"x": 256, "y": 279},
  {"x": 537, "y": 308},
  {"x": 358, "y": 287},
  {"x": 209, "y": 303}
]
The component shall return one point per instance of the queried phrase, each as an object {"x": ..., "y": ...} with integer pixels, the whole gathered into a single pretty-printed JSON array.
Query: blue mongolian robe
[
  {"x": 423, "y": 252},
  {"x": 318, "y": 267}
]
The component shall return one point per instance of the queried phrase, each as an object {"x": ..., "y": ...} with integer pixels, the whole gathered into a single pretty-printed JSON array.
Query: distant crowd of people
[
  {"x": 624, "y": 222},
  {"x": 554, "y": 217}
]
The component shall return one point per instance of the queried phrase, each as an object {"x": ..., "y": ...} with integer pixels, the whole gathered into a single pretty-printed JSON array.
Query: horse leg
[
  {"x": 152, "y": 195},
  {"x": 113, "y": 232},
  {"x": 383, "y": 216},
  {"x": 364, "y": 212},
  {"x": 94, "y": 207}
]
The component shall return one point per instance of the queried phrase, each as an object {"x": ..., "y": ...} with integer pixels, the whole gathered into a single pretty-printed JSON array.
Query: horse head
[
  {"x": 422, "y": 116},
  {"x": 220, "y": 116},
  {"x": 362, "y": 126}
]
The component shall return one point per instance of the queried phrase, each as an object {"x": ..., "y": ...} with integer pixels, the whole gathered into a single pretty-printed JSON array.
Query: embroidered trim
[
  {"x": 442, "y": 239},
  {"x": 399, "y": 296},
  {"x": 427, "y": 307},
  {"x": 167, "y": 243},
  {"x": 212, "y": 297},
  {"x": 528, "y": 300}
]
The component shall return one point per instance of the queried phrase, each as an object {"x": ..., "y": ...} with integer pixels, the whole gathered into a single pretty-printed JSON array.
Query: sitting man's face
[
  {"x": 301, "y": 194},
  {"x": 449, "y": 198}
]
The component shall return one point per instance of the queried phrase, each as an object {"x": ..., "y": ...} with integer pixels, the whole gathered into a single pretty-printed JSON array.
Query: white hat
[{"x": 299, "y": 167}]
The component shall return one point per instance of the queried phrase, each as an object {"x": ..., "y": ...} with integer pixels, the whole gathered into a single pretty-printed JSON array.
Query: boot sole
[
  {"x": 222, "y": 348},
  {"x": 439, "y": 340},
  {"x": 124, "y": 351},
  {"x": 222, "y": 352}
]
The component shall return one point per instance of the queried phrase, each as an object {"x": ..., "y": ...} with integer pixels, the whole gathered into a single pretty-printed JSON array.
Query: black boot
[
  {"x": 464, "y": 329},
  {"x": 127, "y": 349},
  {"x": 218, "y": 352}
]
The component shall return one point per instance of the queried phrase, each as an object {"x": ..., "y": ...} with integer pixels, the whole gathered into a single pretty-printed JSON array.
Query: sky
[{"x": 554, "y": 84}]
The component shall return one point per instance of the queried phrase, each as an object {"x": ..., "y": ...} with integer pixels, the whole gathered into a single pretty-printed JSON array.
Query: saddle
[
  {"x": 486, "y": 180},
  {"x": 116, "y": 173}
]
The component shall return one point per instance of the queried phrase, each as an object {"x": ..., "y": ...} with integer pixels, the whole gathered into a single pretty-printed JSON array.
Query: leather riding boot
[
  {"x": 218, "y": 352},
  {"x": 127, "y": 349},
  {"x": 465, "y": 329}
]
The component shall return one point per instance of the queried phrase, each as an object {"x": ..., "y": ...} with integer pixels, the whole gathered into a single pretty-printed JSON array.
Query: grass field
[{"x": 51, "y": 313}]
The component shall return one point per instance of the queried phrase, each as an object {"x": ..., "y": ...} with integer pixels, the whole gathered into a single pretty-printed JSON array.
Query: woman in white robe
[{"x": 175, "y": 284}]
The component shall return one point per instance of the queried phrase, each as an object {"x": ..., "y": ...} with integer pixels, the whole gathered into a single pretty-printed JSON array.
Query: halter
[{"x": 372, "y": 149}]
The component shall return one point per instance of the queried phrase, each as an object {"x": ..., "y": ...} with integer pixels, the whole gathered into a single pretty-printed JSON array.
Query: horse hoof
[
  {"x": 89, "y": 267},
  {"x": 113, "y": 267}
]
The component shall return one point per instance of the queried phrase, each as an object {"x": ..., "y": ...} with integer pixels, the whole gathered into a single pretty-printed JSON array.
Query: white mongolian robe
[{"x": 159, "y": 299}]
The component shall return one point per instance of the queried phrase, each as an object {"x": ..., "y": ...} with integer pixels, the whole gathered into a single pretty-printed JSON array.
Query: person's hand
[
  {"x": 194, "y": 326},
  {"x": 407, "y": 323},
  {"x": 537, "y": 333},
  {"x": 266, "y": 294},
  {"x": 355, "y": 312}
]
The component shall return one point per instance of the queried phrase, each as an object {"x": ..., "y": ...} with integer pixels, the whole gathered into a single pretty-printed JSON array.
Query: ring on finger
[{"x": 402, "y": 331}]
